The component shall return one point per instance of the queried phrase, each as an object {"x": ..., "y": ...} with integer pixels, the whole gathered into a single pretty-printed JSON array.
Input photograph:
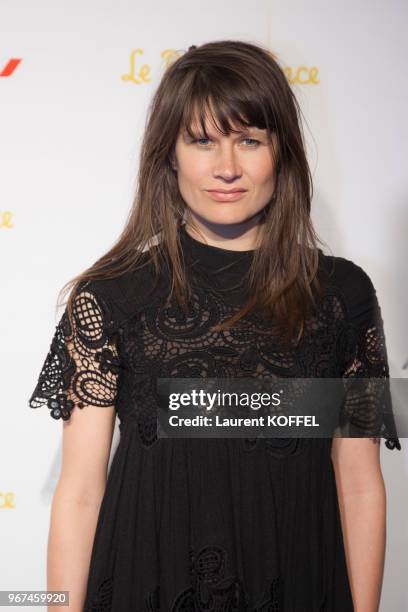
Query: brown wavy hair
[{"x": 233, "y": 83}]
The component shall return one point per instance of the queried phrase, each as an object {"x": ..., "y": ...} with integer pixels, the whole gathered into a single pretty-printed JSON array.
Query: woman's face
[{"x": 238, "y": 161}]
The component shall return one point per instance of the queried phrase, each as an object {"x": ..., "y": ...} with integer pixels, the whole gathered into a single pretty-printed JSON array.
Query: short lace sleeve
[
  {"x": 82, "y": 365},
  {"x": 367, "y": 408}
]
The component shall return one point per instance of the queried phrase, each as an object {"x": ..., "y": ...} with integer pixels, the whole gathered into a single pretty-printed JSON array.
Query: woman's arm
[
  {"x": 87, "y": 439},
  {"x": 362, "y": 501}
]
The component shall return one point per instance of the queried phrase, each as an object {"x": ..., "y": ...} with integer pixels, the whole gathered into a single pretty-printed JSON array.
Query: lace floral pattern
[
  {"x": 102, "y": 601},
  {"x": 343, "y": 338},
  {"x": 170, "y": 343},
  {"x": 211, "y": 589},
  {"x": 367, "y": 408},
  {"x": 82, "y": 365}
]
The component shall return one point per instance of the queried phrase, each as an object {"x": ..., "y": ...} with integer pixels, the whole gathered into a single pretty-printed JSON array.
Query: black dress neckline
[{"x": 213, "y": 256}]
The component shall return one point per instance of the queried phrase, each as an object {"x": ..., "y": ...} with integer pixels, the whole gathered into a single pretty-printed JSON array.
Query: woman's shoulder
[
  {"x": 343, "y": 271},
  {"x": 126, "y": 292},
  {"x": 349, "y": 281}
]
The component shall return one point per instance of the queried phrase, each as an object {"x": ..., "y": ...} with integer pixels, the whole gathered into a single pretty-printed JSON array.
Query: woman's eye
[
  {"x": 253, "y": 141},
  {"x": 199, "y": 140}
]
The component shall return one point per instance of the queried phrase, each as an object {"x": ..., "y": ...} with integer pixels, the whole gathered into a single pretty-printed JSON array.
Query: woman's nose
[{"x": 227, "y": 164}]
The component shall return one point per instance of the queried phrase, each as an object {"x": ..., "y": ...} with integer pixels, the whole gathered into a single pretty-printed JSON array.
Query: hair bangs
[{"x": 228, "y": 109}]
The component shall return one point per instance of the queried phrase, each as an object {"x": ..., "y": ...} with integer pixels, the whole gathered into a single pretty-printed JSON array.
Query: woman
[{"x": 217, "y": 274}]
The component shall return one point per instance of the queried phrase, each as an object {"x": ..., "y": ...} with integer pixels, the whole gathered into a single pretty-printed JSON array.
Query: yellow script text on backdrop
[
  {"x": 143, "y": 72},
  {"x": 294, "y": 75},
  {"x": 7, "y": 500},
  {"x": 5, "y": 218},
  {"x": 302, "y": 75}
]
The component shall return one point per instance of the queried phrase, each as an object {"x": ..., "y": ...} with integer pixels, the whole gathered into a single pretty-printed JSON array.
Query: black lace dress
[{"x": 212, "y": 524}]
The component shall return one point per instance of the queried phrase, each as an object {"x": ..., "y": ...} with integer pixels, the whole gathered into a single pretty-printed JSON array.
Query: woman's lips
[{"x": 219, "y": 196}]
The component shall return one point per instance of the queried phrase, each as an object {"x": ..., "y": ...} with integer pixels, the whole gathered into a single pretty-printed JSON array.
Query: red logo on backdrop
[{"x": 10, "y": 67}]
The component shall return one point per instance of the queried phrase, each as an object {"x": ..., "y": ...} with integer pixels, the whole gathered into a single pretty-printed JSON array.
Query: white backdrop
[{"x": 71, "y": 121}]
